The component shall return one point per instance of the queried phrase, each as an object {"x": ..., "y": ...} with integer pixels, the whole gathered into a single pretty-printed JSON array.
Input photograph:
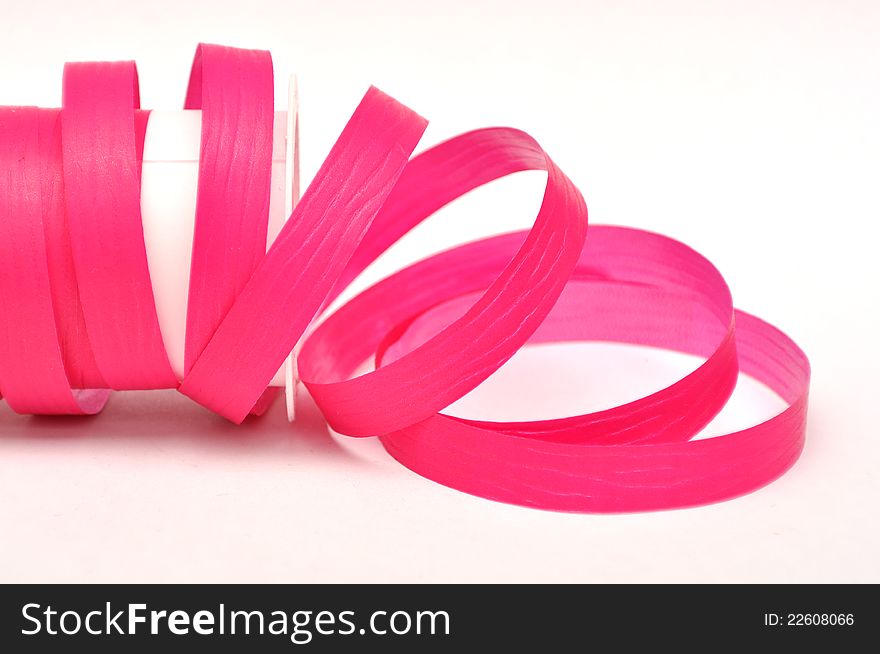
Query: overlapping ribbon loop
[
  {"x": 78, "y": 311},
  {"x": 44, "y": 347},
  {"x": 466, "y": 352},
  {"x": 102, "y": 136},
  {"x": 630, "y": 286}
]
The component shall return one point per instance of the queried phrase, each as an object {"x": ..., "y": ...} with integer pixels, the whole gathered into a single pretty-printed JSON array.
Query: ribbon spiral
[{"x": 78, "y": 317}]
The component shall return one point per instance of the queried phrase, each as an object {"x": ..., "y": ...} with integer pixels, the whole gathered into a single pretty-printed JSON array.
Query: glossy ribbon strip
[{"x": 78, "y": 310}]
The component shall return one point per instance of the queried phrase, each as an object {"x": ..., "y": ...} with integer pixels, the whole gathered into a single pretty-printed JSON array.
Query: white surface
[{"x": 749, "y": 130}]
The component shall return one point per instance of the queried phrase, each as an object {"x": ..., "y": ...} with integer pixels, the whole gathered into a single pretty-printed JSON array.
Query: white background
[{"x": 748, "y": 130}]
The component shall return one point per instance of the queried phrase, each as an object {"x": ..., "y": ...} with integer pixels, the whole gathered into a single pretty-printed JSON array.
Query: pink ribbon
[{"x": 78, "y": 310}]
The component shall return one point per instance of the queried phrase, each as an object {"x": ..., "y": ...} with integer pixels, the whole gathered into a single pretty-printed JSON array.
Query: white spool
[{"x": 168, "y": 205}]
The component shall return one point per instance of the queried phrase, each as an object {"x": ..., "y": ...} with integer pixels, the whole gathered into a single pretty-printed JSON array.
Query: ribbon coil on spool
[{"x": 78, "y": 314}]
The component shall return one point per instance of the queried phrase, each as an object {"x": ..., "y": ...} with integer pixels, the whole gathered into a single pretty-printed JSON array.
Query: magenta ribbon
[{"x": 79, "y": 318}]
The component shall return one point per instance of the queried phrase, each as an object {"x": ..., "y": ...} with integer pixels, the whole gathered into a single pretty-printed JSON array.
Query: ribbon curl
[{"x": 79, "y": 319}]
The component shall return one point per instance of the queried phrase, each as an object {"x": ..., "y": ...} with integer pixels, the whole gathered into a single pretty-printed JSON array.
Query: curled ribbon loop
[
  {"x": 42, "y": 329},
  {"x": 78, "y": 311},
  {"x": 629, "y": 286},
  {"x": 102, "y": 137}
]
